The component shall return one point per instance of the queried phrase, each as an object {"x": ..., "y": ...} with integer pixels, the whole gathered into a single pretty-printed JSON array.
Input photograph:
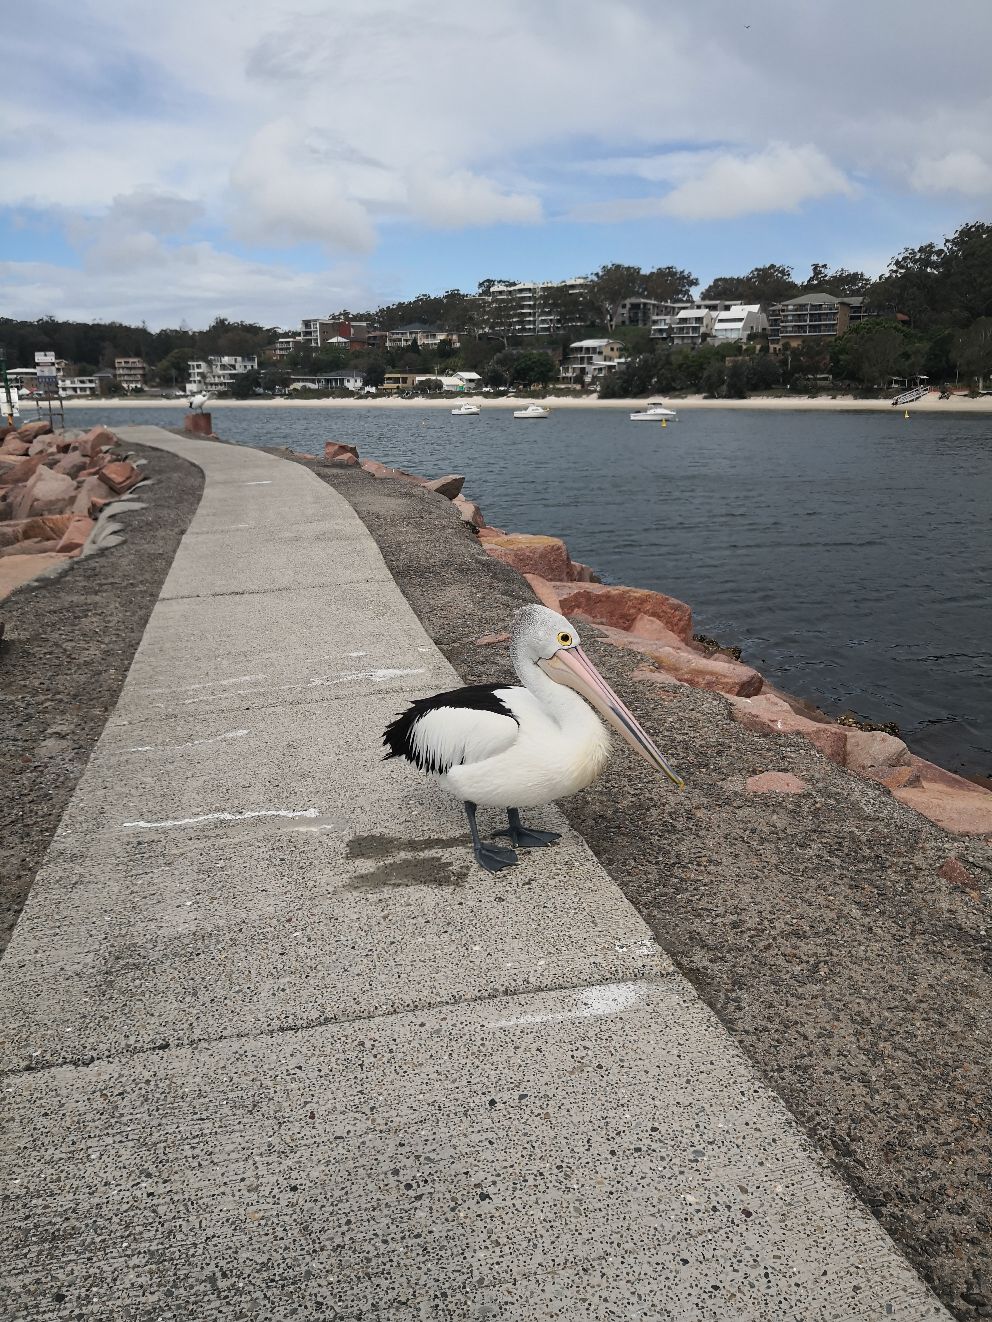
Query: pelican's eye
[{"x": 565, "y": 639}]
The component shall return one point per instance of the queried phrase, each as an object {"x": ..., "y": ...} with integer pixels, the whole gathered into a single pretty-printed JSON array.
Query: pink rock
[
  {"x": 91, "y": 497},
  {"x": 488, "y": 639},
  {"x": 487, "y": 534},
  {"x": 120, "y": 475},
  {"x": 342, "y": 460},
  {"x": 543, "y": 591},
  {"x": 646, "y": 626},
  {"x": 893, "y": 778},
  {"x": 72, "y": 464},
  {"x": 44, "y": 445},
  {"x": 18, "y": 569},
  {"x": 95, "y": 440},
  {"x": 50, "y": 492},
  {"x": 717, "y": 674},
  {"x": 449, "y": 486},
  {"x": 469, "y": 512},
  {"x": 767, "y": 714},
  {"x": 12, "y": 445},
  {"x": 580, "y": 573},
  {"x": 29, "y": 546},
  {"x": 955, "y": 872},
  {"x": 334, "y": 450},
  {"x": 874, "y": 748},
  {"x": 775, "y": 782},
  {"x": 22, "y": 471},
  {"x": 619, "y": 607},
  {"x": 32, "y": 430},
  {"x": 964, "y": 811},
  {"x": 530, "y": 554},
  {"x": 380, "y": 470},
  {"x": 74, "y": 538}
]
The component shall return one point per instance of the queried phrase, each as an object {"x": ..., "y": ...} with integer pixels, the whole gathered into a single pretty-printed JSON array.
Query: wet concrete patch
[{"x": 420, "y": 870}]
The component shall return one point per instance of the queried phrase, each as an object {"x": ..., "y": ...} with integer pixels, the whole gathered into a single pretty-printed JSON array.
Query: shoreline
[{"x": 962, "y": 405}]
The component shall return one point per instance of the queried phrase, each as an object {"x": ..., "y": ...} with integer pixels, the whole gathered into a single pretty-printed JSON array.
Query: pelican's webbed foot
[
  {"x": 490, "y": 857},
  {"x": 522, "y": 837}
]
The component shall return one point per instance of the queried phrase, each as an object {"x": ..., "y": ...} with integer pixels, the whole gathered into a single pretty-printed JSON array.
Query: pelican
[
  {"x": 516, "y": 747},
  {"x": 198, "y": 401}
]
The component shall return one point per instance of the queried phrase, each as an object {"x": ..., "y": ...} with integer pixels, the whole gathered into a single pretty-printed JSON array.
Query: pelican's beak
[{"x": 570, "y": 666}]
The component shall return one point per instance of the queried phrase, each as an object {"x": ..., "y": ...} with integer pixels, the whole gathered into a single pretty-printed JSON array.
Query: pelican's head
[{"x": 546, "y": 639}]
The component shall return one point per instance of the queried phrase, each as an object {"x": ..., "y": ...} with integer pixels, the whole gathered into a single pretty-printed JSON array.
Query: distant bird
[
  {"x": 198, "y": 401},
  {"x": 516, "y": 747}
]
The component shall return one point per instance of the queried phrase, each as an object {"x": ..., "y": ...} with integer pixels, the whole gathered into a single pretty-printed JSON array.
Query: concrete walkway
[{"x": 274, "y": 1047}]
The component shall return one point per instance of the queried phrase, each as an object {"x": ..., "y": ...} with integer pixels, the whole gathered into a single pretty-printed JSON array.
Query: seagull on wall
[{"x": 516, "y": 747}]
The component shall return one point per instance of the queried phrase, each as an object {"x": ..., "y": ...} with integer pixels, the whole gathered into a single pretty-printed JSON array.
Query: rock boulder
[
  {"x": 530, "y": 554},
  {"x": 619, "y": 607},
  {"x": 767, "y": 714}
]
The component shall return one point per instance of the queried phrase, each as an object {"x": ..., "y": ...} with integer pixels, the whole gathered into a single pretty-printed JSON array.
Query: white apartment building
[
  {"x": 353, "y": 381},
  {"x": 522, "y": 308},
  {"x": 130, "y": 373},
  {"x": 218, "y": 372},
  {"x": 316, "y": 331},
  {"x": 691, "y": 326},
  {"x": 427, "y": 337},
  {"x": 76, "y": 387},
  {"x": 589, "y": 361},
  {"x": 285, "y": 345},
  {"x": 736, "y": 323}
]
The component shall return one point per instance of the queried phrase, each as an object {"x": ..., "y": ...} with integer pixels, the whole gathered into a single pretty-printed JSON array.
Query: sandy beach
[{"x": 844, "y": 403}]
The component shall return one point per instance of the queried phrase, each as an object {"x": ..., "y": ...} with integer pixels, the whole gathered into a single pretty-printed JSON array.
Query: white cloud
[
  {"x": 462, "y": 198},
  {"x": 955, "y": 172},
  {"x": 714, "y": 185},
  {"x": 776, "y": 179}
]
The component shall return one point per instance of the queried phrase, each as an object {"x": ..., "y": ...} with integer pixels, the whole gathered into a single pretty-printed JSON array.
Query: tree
[
  {"x": 669, "y": 284},
  {"x": 762, "y": 284},
  {"x": 245, "y": 385},
  {"x": 611, "y": 285},
  {"x": 375, "y": 371},
  {"x": 875, "y": 350},
  {"x": 840, "y": 283},
  {"x": 972, "y": 351}
]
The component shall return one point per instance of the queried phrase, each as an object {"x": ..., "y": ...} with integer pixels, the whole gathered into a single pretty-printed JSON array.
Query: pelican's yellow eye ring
[{"x": 565, "y": 639}]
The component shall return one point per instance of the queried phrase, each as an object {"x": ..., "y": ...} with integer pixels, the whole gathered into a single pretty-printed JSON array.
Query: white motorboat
[
  {"x": 532, "y": 411},
  {"x": 466, "y": 411},
  {"x": 653, "y": 413}
]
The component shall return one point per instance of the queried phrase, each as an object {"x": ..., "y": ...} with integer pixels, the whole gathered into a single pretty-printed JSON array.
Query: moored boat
[
  {"x": 466, "y": 410},
  {"x": 532, "y": 411},
  {"x": 653, "y": 413}
]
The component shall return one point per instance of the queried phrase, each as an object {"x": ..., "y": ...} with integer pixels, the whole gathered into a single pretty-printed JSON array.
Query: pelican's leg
[
  {"x": 522, "y": 837},
  {"x": 490, "y": 857}
]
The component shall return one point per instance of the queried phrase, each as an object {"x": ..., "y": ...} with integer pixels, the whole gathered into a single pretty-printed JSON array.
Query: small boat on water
[
  {"x": 653, "y": 413},
  {"x": 466, "y": 410},
  {"x": 532, "y": 411}
]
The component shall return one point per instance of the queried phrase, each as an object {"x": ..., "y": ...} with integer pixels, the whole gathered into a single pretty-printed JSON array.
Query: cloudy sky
[{"x": 268, "y": 161}]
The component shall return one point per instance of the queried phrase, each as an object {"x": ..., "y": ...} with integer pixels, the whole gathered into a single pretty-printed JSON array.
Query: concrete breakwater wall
[{"x": 659, "y": 628}]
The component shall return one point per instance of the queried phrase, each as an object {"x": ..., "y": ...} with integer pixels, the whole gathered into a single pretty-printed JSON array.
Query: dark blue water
[{"x": 848, "y": 554}]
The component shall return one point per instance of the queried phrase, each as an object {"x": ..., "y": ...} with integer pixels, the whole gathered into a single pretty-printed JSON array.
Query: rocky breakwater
[
  {"x": 659, "y": 628},
  {"x": 53, "y": 487}
]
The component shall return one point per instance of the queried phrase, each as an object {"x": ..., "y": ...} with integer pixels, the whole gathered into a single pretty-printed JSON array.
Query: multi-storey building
[
  {"x": 76, "y": 387},
  {"x": 284, "y": 346},
  {"x": 344, "y": 380},
  {"x": 427, "y": 337},
  {"x": 589, "y": 361},
  {"x": 735, "y": 324},
  {"x": 533, "y": 308},
  {"x": 218, "y": 372},
  {"x": 691, "y": 326},
  {"x": 129, "y": 373},
  {"x": 820, "y": 316}
]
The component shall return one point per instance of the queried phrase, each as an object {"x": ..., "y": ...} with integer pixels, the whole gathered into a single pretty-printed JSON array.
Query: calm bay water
[{"x": 848, "y": 554}]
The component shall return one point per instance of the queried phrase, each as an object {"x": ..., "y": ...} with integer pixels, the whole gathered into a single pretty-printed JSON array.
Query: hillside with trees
[{"x": 933, "y": 304}]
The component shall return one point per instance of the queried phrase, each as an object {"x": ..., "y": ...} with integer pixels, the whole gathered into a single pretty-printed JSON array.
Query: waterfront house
[
  {"x": 734, "y": 325},
  {"x": 78, "y": 387},
  {"x": 589, "y": 361},
  {"x": 426, "y": 337},
  {"x": 129, "y": 373},
  {"x": 399, "y": 381},
  {"x": 218, "y": 372},
  {"x": 342, "y": 380},
  {"x": 813, "y": 316}
]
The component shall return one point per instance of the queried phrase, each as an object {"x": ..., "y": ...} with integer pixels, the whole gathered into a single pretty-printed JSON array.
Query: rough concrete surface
[
  {"x": 67, "y": 646},
  {"x": 816, "y": 925},
  {"x": 270, "y": 1050}
]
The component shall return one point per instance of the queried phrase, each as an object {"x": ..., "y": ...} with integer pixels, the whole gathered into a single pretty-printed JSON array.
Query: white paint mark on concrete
[
  {"x": 592, "y": 1003},
  {"x": 265, "y": 482},
  {"x": 193, "y": 743},
  {"x": 356, "y": 654},
  {"x": 224, "y": 817},
  {"x": 378, "y": 676}
]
